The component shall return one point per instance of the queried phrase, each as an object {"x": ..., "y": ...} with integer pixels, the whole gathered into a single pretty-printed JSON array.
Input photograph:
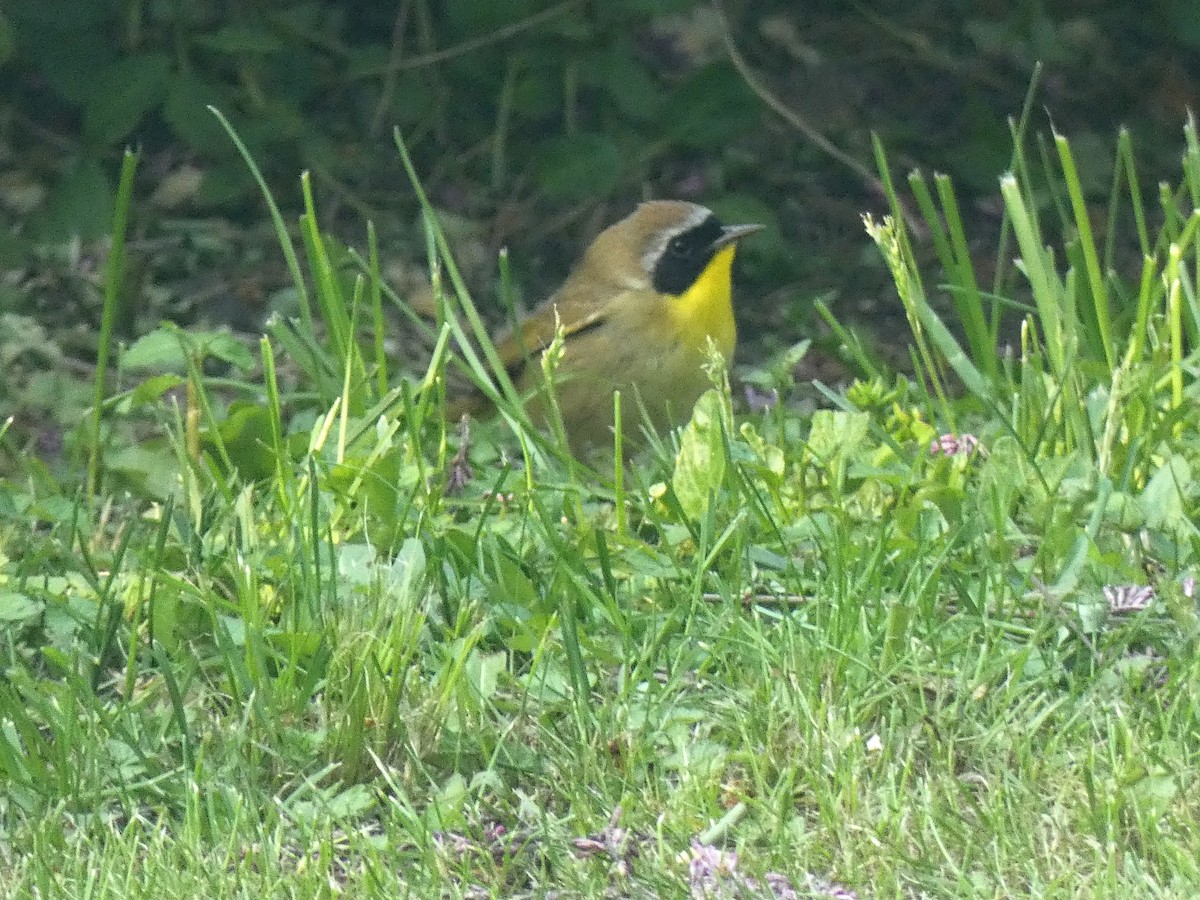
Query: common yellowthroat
[{"x": 636, "y": 315}]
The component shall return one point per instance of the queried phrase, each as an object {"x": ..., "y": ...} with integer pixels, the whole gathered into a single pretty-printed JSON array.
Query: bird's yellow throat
[{"x": 706, "y": 308}]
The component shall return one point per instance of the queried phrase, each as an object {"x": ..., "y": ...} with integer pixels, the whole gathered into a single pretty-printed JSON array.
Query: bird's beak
[{"x": 732, "y": 233}]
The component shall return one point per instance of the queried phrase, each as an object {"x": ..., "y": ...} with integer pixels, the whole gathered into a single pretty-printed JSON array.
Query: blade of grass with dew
[
  {"x": 550, "y": 360},
  {"x": 1022, "y": 175},
  {"x": 937, "y": 230},
  {"x": 1053, "y": 188},
  {"x": 1188, "y": 245},
  {"x": 1170, "y": 202}
]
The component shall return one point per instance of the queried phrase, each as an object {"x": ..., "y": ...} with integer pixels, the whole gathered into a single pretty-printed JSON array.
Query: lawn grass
[{"x": 297, "y": 644}]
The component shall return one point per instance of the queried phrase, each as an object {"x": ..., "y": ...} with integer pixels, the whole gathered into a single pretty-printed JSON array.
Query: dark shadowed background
[{"x": 533, "y": 124}]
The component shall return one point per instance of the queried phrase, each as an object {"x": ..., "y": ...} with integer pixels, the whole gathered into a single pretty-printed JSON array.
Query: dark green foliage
[{"x": 303, "y": 81}]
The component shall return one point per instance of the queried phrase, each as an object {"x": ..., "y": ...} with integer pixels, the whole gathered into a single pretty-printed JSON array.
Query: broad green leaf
[
  {"x": 1163, "y": 500},
  {"x": 16, "y": 607},
  {"x": 837, "y": 434},
  {"x": 8, "y": 39},
  {"x": 700, "y": 464},
  {"x": 577, "y": 166},
  {"x": 241, "y": 40},
  {"x": 153, "y": 388},
  {"x": 80, "y": 205},
  {"x": 407, "y": 570},
  {"x": 445, "y": 809},
  {"x": 356, "y": 563},
  {"x": 629, "y": 83},
  {"x": 123, "y": 94},
  {"x": 186, "y": 113},
  {"x": 70, "y": 59},
  {"x": 1155, "y": 792},
  {"x": 711, "y": 109},
  {"x": 229, "y": 349},
  {"x": 246, "y": 433},
  {"x": 484, "y": 671},
  {"x": 158, "y": 349}
]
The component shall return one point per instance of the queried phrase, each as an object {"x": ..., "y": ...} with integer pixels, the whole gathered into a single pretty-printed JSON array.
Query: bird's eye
[{"x": 678, "y": 246}]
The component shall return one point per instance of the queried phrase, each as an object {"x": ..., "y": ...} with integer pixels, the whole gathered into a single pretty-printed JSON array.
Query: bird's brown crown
[{"x": 664, "y": 244}]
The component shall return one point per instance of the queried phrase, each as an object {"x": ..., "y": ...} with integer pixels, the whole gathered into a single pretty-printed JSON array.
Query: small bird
[{"x": 636, "y": 315}]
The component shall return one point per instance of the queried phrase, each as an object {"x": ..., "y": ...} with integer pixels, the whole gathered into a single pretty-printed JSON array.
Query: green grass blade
[
  {"x": 114, "y": 285},
  {"x": 1083, "y": 227},
  {"x": 281, "y": 231}
]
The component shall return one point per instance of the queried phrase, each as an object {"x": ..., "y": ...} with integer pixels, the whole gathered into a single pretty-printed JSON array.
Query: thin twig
[
  {"x": 929, "y": 54},
  {"x": 500, "y": 34},
  {"x": 749, "y": 598},
  {"x": 797, "y": 121},
  {"x": 395, "y": 58}
]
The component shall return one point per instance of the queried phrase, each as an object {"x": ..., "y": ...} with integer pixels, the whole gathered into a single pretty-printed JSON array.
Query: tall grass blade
[
  {"x": 281, "y": 230},
  {"x": 1083, "y": 227},
  {"x": 114, "y": 284}
]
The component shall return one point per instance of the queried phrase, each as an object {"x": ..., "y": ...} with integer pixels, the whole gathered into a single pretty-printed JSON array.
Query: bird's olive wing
[{"x": 536, "y": 332}]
